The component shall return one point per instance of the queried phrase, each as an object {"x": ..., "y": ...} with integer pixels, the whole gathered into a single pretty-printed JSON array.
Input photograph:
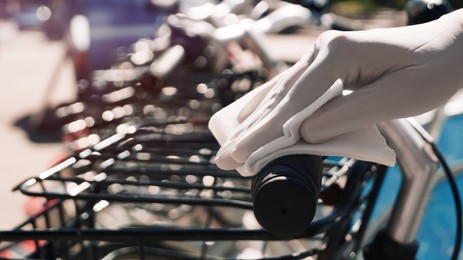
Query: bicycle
[{"x": 172, "y": 202}]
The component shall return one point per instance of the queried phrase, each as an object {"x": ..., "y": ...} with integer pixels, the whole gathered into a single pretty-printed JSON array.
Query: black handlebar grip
[{"x": 285, "y": 193}]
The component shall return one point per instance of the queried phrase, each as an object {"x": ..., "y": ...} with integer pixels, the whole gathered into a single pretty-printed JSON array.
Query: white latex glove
[{"x": 394, "y": 72}]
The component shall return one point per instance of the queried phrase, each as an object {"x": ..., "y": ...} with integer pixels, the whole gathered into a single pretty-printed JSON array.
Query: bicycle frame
[{"x": 419, "y": 168}]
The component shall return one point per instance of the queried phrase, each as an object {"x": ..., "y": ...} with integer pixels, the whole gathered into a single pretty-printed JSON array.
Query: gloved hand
[{"x": 393, "y": 72}]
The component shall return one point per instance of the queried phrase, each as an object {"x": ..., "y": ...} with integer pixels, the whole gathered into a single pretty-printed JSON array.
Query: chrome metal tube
[{"x": 419, "y": 166}]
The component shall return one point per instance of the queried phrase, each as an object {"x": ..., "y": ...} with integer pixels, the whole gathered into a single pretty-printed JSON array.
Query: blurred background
[
  {"x": 50, "y": 48},
  {"x": 41, "y": 64}
]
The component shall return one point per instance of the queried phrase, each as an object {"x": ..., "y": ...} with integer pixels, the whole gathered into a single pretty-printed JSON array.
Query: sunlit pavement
[{"x": 28, "y": 62}]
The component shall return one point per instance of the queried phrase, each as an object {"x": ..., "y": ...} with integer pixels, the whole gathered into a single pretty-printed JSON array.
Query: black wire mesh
[{"x": 123, "y": 198}]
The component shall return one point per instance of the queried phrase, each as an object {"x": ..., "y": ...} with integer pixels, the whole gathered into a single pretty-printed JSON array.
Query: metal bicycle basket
[{"x": 152, "y": 195}]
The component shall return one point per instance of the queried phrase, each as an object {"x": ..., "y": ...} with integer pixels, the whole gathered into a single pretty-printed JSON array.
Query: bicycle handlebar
[{"x": 285, "y": 193}]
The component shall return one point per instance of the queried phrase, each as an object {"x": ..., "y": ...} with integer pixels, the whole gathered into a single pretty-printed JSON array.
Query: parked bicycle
[{"x": 140, "y": 182}]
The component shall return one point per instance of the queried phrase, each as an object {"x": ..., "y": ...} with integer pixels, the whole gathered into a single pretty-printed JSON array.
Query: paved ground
[{"x": 27, "y": 63}]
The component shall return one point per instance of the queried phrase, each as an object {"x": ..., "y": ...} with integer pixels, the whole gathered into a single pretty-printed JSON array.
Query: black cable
[
  {"x": 453, "y": 187},
  {"x": 457, "y": 200}
]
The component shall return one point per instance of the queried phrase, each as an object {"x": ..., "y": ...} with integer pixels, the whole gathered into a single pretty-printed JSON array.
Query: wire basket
[{"x": 153, "y": 194}]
